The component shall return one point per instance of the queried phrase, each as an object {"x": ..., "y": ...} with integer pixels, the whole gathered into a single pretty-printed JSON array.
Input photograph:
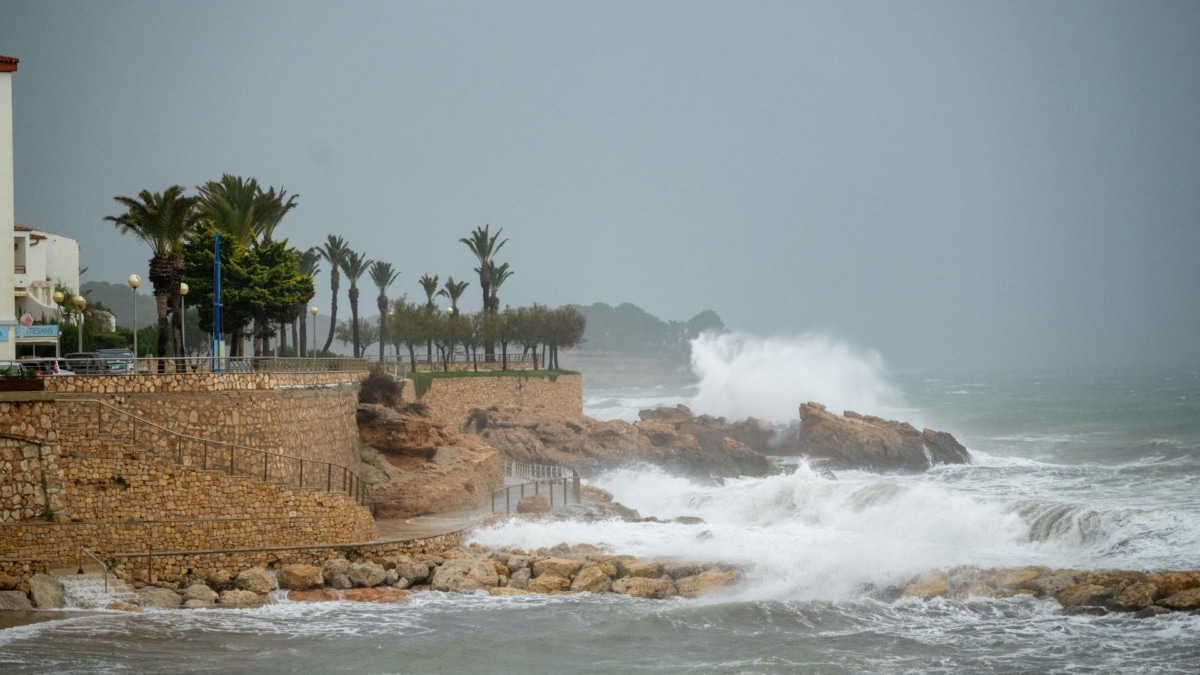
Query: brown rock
[
  {"x": 642, "y": 587},
  {"x": 549, "y": 583},
  {"x": 14, "y": 601},
  {"x": 313, "y": 595},
  {"x": 592, "y": 579},
  {"x": 256, "y": 580},
  {"x": 1018, "y": 578},
  {"x": 1170, "y": 583},
  {"x": 123, "y": 607},
  {"x": 563, "y": 567},
  {"x": 419, "y": 465},
  {"x": 335, "y": 566},
  {"x": 464, "y": 574},
  {"x": 501, "y": 590},
  {"x": 1136, "y": 597},
  {"x": 240, "y": 598},
  {"x": 300, "y": 577},
  {"x": 200, "y": 592},
  {"x": 533, "y": 504},
  {"x": 1084, "y": 595},
  {"x": 927, "y": 586},
  {"x": 855, "y": 441},
  {"x": 1183, "y": 601},
  {"x": 380, "y": 594},
  {"x": 639, "y": 568},
  {"x": 8, "y": 583},
  {"x": 708, "y": 581}
]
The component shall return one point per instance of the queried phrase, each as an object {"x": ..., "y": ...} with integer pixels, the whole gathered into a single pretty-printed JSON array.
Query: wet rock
[
  {"x": 122, "y": 607},
  {"x": 46, "y": 592},
  {"x": 501, "y": 590},
  {"x": 592, "y": 579},
  {"x": 415, "y": 571},
  {"x": 465, "y": 574},
  {"x": 1084, "y": 595},
  {"x": 562, "y": 567},
  {"x": 335, "y": 566},
  {"x": 549, "y": 583},
  {"x": 367, "y": 575},
  {"x": 341, "y": 582},
  {"x": 928, "y": 586},
  {"x": 708, "y": 581},
  {"x": 1170, "y": 582},
  {"x": 642, "y": 587},
  {"x": 200, "y": 592},
  {"x": 1135, "y": 597},
  {"x": 1183, "y": 601},
  {"x": 255, "y": 579},
  {"x": 854, "y": 441},
  {"x": 313, "y": 595},
  {"x": 300, "y": 577},
  {"x": 198, "y": 604},
  {"x": 239, "y": 598},
  {"x": 8, "y": 583},
  {"x": 645, "y": 569},
  {"x": 1151, "y": 612},
  {"x": 14, "y": 601},
  {"x": 159, "y": 598}
]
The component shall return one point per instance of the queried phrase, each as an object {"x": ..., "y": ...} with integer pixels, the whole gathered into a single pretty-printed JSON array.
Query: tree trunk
[
  {"x": 354, "y": 318},
  {"x": 333, "y": 284}
]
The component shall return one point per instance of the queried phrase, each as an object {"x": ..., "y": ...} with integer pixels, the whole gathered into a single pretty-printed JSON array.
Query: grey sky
[{"x": 957, "y": 184}]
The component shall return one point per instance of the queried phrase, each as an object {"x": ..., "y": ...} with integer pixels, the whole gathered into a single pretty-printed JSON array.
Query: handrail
[
  {"x": 352, "y": 483},
  {"x": 93, "y": 557},
  {"x": 153, "y": 365},
  {"x": 542, "y": 474}
]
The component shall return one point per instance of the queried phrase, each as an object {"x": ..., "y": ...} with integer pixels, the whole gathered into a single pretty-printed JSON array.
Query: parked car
[
  {"x": 86, "y": 363},
  {"x": 49, "y": 366},
  {"x": 118, "y": 360},
  {"x": 13, "y": 369}
]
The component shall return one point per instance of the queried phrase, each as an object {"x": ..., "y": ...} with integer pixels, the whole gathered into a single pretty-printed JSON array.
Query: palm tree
[
  {"x": 484, "y": 245},
  {"x": 269, "y": 209},
  {"x": 453, "y": 291},
  {"x": 333, "y": 252},
  {"x": 429, "y": 284},
  {"x": 496, "y": 276},
  {"x": 353, "y": 266},
  {"x": 383, "y": 275},
  {"x": 308, "y": 263},
  {"x": 230, "y": 204},
  {"x": 162, "y": 220}
]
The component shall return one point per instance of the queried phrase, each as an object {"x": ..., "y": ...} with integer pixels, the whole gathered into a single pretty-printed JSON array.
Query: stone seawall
[{"x": 453, "y": 398}]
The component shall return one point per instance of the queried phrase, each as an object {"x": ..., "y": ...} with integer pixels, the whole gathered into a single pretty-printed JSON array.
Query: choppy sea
[{"x": 1079, "y": 470}]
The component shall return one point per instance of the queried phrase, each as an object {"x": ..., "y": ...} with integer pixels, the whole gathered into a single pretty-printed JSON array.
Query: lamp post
[
  {"x": 134, "y": 282},
  {"x": 183, "y": 291},
  {"x": 313, "y": 310},
  {"x": 58, "y": 301},
  {"x": 80, "y": 303}
]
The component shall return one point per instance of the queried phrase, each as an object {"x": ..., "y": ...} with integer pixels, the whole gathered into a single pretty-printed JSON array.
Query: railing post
[
  {"x": 329, "y": 477},
  {"x": 301, "y": 473},
  {"x": 264, "y": 467},
  {"x": 231, "y": 471}
]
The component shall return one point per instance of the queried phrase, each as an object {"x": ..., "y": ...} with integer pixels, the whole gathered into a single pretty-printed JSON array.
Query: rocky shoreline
[{"x": 584, "y": 568}]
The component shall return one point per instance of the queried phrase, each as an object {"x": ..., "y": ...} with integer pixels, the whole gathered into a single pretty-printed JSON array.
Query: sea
[{"x": 1081, "y": 470}]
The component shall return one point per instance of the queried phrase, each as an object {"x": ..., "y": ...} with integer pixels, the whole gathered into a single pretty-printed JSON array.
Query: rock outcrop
[
  {"x": 854, "y": 441},
  {"x": 672, "y": 438},
  {"x": 417, "y": 465}
]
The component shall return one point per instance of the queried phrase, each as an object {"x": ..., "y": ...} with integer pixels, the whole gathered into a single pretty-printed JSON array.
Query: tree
[
  {"x": 429, "y": 284},
  {"x": 163, "y": 220},
  {"x": 449, "y": 331},
  {"x": 333, "y": 251},
  {"x": 408, "y": 324},
  {"x": 453, "y": 290},
  {"x": 367, "y": 333},
  {"x": 564, "y": 327},
  {"x": 497, "y": 275},
  {"x": 308, "y": 264},
  {"x": 354, "y": 264},
  {"x": 485, "y": 246},
  {"x": 383, "y": 275}
]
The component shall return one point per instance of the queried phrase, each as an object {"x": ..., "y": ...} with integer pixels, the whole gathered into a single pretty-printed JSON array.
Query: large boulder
[
  {"x": 240, "y": 598},
  {"x": 418, "y": 465},
  {"x": 46, "y": 592},
  {"x": 672, "y": 438},
  {"x": 465, "y": 574},
  {"x": 14, "y": 601},
  {"x": 160, "y": 598},
  {"x": 255, "y": 580},
  {"x": 201, "y": 593},
  {"x": 854, "y": 441},
  {"x": 367, "y": 575},
  {"x": 592, "y": 579},
  {"x": 708, "y": 581},
  {"x": 549, "y": 583},
  {"x": 563, "y": 567},
  {"x": 300, "y": 577},
  {"x": 641, "y": 587}
]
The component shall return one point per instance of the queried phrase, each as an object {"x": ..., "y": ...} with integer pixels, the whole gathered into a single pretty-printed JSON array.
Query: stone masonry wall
[{"x": 453, "y": 398}]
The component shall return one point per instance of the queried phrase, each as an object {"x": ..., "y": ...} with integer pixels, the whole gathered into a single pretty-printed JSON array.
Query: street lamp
[
  {"x": 183, "y": 291},
  {"x": 58, "y": 301},
  {"x": 134, "y": 282},
  {"x": 313, "y": 310},
  {"x": 80, "y": 303}
]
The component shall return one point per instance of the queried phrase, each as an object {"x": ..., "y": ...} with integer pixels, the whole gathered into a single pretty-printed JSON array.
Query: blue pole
[{"x": 216, "y": 345}]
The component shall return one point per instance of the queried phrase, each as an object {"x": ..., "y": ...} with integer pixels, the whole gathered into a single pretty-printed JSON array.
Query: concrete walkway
[{"x": 433, "y": 525}]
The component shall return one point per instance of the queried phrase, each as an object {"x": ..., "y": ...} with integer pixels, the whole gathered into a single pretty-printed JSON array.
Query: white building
[{"x": 8, "y": 317}]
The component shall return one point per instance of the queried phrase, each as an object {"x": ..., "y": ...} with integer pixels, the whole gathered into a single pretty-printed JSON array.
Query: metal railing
[
  {"x": 232, "y": 459},
  {"x": 79, "y": 564},
  {"x": 539, "y": 479},
  {"x": 401, "y": 366},
  {"x": 153, "y": 365}
]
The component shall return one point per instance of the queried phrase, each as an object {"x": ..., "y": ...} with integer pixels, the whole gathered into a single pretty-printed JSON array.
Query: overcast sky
[{"x": 953, "y": 184}]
